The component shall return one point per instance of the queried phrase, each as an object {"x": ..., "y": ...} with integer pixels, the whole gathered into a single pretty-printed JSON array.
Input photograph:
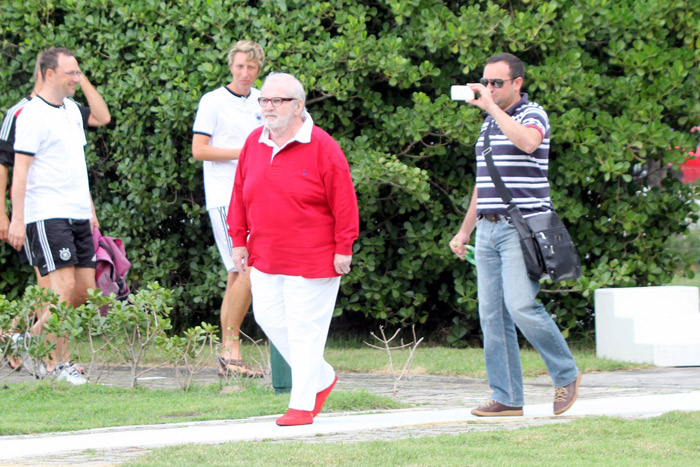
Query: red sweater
[{"x": 300, "y": 209}]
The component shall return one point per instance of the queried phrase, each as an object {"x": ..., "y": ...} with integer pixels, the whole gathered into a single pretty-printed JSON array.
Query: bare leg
[
  {"x": 62, "y": 282},
  {"x": 84, "y": 280},
  {"x": 44, "y": 282},
  {"x": 234, "y": 307}
]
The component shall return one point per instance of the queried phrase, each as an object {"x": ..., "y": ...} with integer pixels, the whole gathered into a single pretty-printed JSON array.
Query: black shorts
[
  {"x": 25, "y": 257},
  {"x": 24, "y": 254},
  {"x": 57, "y": 243}
]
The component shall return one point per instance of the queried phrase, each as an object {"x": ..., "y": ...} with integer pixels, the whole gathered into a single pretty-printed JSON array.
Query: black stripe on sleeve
[
  {"x": 7, "y": 155},
  {"x": 85, "y": 112}
]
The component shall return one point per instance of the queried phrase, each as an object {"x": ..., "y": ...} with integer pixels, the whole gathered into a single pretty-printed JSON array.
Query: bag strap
[
  {"x": 513, "y": 209},
  {"x": 107, "y": 248},
  {"x": 503, "y": 191}
]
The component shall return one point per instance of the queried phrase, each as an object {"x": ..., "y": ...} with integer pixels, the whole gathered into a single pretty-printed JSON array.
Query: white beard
[{"x": 278, "y": 123}]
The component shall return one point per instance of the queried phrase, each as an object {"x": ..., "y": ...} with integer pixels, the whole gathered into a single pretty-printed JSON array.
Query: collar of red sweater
[{"x": 302, "y": 136}]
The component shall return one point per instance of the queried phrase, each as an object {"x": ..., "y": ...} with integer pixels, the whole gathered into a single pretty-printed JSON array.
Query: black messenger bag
[{"x": 548, "y": 249}]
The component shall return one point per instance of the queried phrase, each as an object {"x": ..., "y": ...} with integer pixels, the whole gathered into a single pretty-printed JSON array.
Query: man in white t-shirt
[
  {"x": 225, "y": 118},
  {"x": 51, "y": 203},
  {"x": 7, "y": 160}
]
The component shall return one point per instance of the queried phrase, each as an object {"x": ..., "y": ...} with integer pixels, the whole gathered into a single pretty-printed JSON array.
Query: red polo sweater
[{"x": 300, "y": 209}]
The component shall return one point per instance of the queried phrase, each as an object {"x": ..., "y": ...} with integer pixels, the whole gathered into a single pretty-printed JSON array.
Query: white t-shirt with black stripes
[
  {"x": 7, "y": 133},
  {"x": 227, "y": 119},
  {"x": 57, "y": 181},
  {"x": 525, "y": 175}
]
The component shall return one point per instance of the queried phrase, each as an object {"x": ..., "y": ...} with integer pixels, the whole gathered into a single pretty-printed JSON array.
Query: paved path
[{"x": 442, "y": 404}]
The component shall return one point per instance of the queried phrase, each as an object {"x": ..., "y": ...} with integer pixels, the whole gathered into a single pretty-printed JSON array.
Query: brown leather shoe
[
  {"x": 496, "y": 409},
  {"x": 565, "y": 396}
]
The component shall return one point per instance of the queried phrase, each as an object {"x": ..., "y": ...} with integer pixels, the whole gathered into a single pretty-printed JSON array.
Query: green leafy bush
[
  {"x": 190, "y": 352},
  {"x": 619, "y": 80},
  {"x": 129, "y": 330},
  {"x": 132, "y": 326},
  {"x": 18, "y": 317}
]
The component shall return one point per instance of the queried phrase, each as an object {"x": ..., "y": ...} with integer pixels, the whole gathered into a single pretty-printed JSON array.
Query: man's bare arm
[
  {"x": 99, "y": 113},
  {"x": 4, "y": 220},
  {"x": 465, "y": 231},
  {"x": 202, "y": 151},
  {"x": 17, "y": 231},
  {"x": 526, "y": 139}
]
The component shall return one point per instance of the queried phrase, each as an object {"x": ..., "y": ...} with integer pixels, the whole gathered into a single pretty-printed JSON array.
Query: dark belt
[{"x": 493, "y": 217}]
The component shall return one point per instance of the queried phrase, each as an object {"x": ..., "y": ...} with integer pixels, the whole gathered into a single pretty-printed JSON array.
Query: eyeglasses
[
  {"x": 72, "y": 74},
  {"x": 497, "y": 83},
  {"x": 275, "y": 101}
]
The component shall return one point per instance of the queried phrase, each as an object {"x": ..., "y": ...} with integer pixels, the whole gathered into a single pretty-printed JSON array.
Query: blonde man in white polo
[{"x": 225, "y": 118}]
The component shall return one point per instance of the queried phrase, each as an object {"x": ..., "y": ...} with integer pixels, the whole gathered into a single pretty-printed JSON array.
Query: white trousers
[{"x": 295, "y": 314}]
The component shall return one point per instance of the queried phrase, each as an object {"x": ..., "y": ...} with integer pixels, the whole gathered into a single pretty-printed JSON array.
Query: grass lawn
[
  {"x": 353, "y": 356},
  {"x": 447, "y": 361},
  {"x": 47, "y": 406},
  {"x": 672, "y": 439},
  {"x": 44, "y": 406},
  {"x": 680, "y": 280}
]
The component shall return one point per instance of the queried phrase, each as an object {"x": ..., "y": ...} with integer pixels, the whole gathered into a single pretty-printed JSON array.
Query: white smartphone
[{"x": 461, "y": 93}]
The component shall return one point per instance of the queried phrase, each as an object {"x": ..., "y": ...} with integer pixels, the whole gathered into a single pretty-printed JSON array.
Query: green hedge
[{"x": 619, "y": 79}]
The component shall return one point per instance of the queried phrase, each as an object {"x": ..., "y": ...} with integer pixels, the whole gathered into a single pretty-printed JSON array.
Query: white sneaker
[
  {"x": 69, "y": 373},
  {"x": 38, "y": 372}
]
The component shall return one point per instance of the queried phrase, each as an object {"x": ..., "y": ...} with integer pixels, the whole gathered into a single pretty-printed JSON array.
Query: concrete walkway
[{"x": 442, "y": 406}]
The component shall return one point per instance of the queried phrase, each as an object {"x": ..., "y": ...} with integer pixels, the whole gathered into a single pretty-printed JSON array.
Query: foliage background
[{"x": 619, "y": 80}]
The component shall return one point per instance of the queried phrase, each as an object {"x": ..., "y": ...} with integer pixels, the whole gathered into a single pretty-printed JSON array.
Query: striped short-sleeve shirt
[
  {"x": 525, "y": 175},
  {"x": 7, "y": 133}
]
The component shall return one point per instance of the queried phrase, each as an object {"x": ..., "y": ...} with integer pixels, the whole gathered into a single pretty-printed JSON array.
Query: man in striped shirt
[{"x": 519, "y": 138}]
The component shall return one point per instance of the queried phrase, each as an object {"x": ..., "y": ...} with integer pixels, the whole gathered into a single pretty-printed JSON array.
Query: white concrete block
[
  {"x": 658, "y": 325},
  {"x": 629, "y": 301},
  {"x": 677, "y": 354}
]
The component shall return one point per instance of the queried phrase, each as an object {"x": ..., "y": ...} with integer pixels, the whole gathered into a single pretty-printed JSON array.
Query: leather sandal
[{"x": 232, "y": 366}]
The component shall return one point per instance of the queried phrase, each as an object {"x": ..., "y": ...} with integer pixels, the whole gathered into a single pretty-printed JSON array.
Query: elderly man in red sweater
[{"x": 293, "y": 219}]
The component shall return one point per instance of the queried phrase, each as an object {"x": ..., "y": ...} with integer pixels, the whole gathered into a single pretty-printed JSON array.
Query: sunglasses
[{"x": 497, "y": 83}]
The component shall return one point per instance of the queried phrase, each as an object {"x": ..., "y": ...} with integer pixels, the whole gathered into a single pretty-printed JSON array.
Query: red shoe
[
  {"x": 322, "y": 396},
  {"x": 295, "y": 417}
]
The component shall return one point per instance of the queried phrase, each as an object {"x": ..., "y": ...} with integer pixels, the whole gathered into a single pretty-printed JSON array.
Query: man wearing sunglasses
[
  {"x": 293, "y": 220},
  {"x": 519, "y": 139}
]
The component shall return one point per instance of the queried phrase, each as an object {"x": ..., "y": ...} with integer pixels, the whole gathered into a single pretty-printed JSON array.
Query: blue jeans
[{"x": 507, "y": 298}]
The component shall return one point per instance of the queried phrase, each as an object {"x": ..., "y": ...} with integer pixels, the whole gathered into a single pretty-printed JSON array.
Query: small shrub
[
  {"x": 133, "y": 326},
  {"x": 190, "y": 352}
]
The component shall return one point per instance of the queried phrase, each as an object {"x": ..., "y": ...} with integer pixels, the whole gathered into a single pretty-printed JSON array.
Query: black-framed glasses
[
  {"x": 497, "y": 83},
  {"x": 275, "y": 101}
]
